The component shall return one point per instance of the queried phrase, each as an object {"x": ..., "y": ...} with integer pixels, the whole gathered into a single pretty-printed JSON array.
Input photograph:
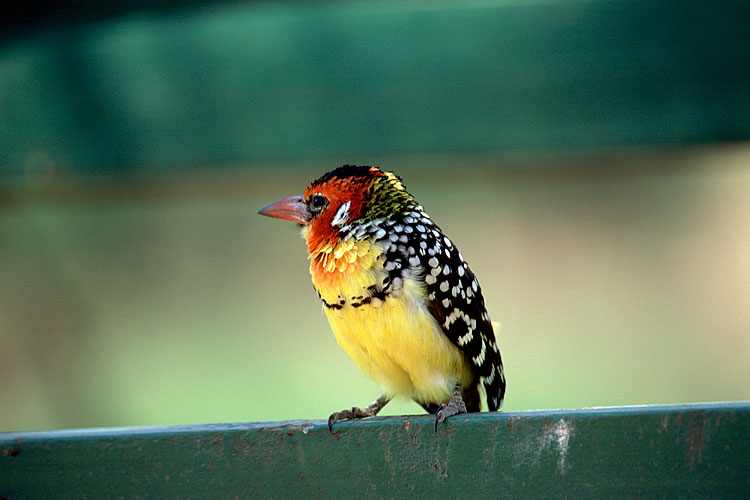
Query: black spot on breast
[{"x": 332, "y": 306}]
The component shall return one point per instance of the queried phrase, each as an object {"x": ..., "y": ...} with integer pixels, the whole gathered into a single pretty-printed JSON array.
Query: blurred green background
[{"x": 588, "y": 158}]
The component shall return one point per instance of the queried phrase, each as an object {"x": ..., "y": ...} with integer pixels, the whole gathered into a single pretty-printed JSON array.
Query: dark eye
[{"x": 317, "y": 202}]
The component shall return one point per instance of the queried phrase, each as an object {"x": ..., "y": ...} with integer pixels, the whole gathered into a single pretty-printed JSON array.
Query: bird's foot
[
  {"x": 356, "y": 412},
  {"x": 455, "y": 406}
]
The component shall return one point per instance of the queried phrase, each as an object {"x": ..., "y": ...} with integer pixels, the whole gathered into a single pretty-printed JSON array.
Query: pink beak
[{"x": 291, "y": 209}]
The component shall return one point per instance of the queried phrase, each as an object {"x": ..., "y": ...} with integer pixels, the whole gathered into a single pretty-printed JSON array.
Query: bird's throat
[{"x": 344, "y": 268}]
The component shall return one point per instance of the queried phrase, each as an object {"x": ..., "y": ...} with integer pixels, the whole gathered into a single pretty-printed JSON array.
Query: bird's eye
[{"x": 317, "y": 202}]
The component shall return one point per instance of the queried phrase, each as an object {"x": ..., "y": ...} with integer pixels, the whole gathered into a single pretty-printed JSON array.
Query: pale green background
[
  {"x": 137, "y": 141},
  {"x": 619, "y": 278}
]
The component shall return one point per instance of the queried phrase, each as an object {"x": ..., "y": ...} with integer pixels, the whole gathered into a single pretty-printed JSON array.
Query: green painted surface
[
  {"x": 686, "y": 451},
  {"x": 264, "y": 81}
]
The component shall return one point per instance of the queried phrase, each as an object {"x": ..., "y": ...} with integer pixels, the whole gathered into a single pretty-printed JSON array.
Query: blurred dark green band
[{"x": 157, "y": 84}]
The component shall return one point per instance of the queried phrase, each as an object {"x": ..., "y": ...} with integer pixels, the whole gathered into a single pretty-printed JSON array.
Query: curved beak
[{"x": 291, "y": 209}]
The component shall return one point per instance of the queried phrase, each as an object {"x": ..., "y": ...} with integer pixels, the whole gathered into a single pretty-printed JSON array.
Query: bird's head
[{"x": 336, "y": 203}]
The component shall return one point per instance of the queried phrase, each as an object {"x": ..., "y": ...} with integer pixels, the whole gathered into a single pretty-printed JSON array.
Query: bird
[{"x": 400, "y": 298}]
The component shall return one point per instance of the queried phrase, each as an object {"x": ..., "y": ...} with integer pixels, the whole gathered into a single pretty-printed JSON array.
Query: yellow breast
[
  {"x": 396, "y": 342},
  {"x": 400, "y": 347}
]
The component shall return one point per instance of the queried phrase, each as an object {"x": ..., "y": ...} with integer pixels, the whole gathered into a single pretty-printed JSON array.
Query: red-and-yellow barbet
[{"x": 400, "y": 298}]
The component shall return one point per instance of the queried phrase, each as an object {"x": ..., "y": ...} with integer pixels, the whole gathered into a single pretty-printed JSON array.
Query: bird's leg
[
  {"x": 356, "y": 412},
  {"x": 455, "y": 406}
]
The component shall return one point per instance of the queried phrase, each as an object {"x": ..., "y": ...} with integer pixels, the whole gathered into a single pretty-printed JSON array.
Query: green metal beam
[
  {"x": 684, "y": 451},
  {"x": 244, "y": 82}
]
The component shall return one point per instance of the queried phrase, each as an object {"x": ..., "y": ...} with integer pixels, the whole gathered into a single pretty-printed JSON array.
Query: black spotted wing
[{"x": 456, "y": 301}]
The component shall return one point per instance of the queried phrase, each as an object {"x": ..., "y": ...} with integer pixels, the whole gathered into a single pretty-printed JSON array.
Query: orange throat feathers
[{"x": 341, "y": 267}]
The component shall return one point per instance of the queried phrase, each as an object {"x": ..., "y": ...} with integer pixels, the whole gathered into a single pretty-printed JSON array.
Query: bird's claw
[
  {"x": 355, "y": 412},
  {"x": 440, "y": 415},
  {"x": 339, "y": 416},
  {"x": 455, "y": 407}
]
